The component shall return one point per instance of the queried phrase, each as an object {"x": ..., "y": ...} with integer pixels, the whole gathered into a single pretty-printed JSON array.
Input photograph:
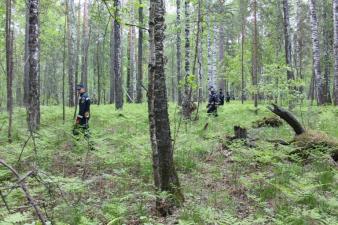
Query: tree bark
[
  {"x": 71, "y": 51},
  {"x": 187, "y": 86},
  {"x": 85, "y": 45},
  {"x": 288, "y": 50},
  {"x": 112, "y": 77},
  {"x": 288, "y": 117},
  {"x": 327, "y": 61},
  {"x": 178, "y": 52},
  {"x": 243, "y": 9},
  {"x": 34, "y": 56},
  {"x": 335, "y": 24},
  {"x": 26, "y": 62},
  {"x": 211, "y": 78},
  {"x": 165, "y": 175},
  {"x": 129, "y": 69},
  {"x": 299, "y": 44},
  {"x": 117, "y": 57},
  {"x": 255, "y": 56},
  {"x": 139, "y": 94},
  {"x": 9, "y": 66},
  {"x": 316, "y": 53}
]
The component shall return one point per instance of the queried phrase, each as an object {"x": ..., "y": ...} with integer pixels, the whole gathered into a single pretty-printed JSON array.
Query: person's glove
[{"x": 86, "y": 114}]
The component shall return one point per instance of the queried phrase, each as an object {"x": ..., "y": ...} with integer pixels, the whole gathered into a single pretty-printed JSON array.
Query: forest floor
[{"x": 224, "y": 182}]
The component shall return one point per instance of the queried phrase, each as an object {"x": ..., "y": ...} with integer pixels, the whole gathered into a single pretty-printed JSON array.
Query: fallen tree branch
[
  {"x": 5, "y": 202},
  {"x": 24, "y": 188},
  {"x": 288, "y": 117}
]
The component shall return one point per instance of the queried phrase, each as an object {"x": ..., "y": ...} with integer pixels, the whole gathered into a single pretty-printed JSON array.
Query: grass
[{"x": 223, "y": 182}]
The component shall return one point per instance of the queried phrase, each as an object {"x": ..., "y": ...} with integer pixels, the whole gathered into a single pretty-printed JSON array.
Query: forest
[{"x": 163, "y": 112}]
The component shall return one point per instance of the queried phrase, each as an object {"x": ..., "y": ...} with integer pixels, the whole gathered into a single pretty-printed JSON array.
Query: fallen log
[{"x": 288, "y": 117}]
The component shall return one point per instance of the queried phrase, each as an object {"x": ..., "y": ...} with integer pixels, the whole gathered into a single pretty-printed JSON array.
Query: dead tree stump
[{"x": 240, "y": 133}]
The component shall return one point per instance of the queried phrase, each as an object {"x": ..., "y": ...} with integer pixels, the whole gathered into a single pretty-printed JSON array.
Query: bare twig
[
  {"x": 24, "y": 188},
  {"x": 126, "y": 24},
  {"x": 5, "y": 202},
  {"x": 23, "y": 148}
]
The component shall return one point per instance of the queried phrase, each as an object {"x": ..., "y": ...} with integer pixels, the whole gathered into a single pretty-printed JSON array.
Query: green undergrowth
[{"x": 224, "y": 182}]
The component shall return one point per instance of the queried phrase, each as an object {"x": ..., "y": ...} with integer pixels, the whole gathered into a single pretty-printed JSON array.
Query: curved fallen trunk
[{"x": 288, "y": 117}]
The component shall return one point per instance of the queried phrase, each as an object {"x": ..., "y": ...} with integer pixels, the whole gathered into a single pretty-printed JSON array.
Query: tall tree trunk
[
  {"x": 9, "y": 66},
  {"x": 243, "y": 8},
  {"x": 85, "y": 45},
  {"x": 112, "y": 77},
  {"x": 211, "y": 81},
  {"x": 117, "y": 57},
  {"x": 71, "y": 51},
  {"x": 64, "y": 54},
  {"x": 222, "y": 80},
  {"x": 34, "y": 94},
  {"x": 78, "y": 42},
  {"x": 214, "y": 54},
  {"x": 316, "y": 53},
  {"x": 98, "y": 68},
  {"x": 139, "y": 93},
  {"x": 335, "y": 24},
  {"x": 288, "y": 50},
  {"x": 327, "y": 61},
  {"x": 178, "y": 52},
  {"x": 187, "y": 86},
  {"x": 165, "y": 175},
  {"x": 255, "y": 55},
  {"x": 200, "y": 52},
  {"x": 299, "y": 44},
  {"x": 26, "y": 62},
  {"x": 129, "y": 70}
]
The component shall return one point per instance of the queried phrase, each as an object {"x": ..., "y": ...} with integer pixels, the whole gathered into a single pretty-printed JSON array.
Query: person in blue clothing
[
  {"x": 212, "y": 103},
  {"x": 83, "y": 116}
]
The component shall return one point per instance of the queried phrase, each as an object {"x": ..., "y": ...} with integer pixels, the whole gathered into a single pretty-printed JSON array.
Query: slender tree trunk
[
  {"x": 9, "y": 66},
  {"x": 78, "y": 42},
  {"x": 335, "y": 24},
  {"x": 165, "y": 175},
  {"x": 26, "y": 62},
  {"x": 299, "y": 44},
  {"x": 71, "y": 51},
  {"x": 98, "y": 68},
  {"x": 211, "y": 81},
  {"x": 34, "y": 94},
  {"x": 243, "y": 8},
  {"x": 117, "y": 57},
  {"x": 327, "y": 61},
  {"x": 288, "y": 50},
  {"x": 129, "y": 65},
  {"x": 64, "y": 70},
  {"x": 85, "y": 45},
  {"x": 139, "y": 94},
  {"x": 316, "y": 53},
  {"x": 255, "y": 55},
  {"x": 200, "y": 52},
  {"x": 214, "y": 55},
  {"x": 112, "y": 77},
  {"x": 178, "y": 52},
  {"x": 187, "y": 86},
  {"x": 222, "y": 80}
]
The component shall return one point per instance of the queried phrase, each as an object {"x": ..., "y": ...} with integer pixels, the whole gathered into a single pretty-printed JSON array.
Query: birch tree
[
  {"x": 165, "y": 176},
  {"x": 316, "y": 53},
  {"x": 33, "y": 108},
  {"x": 117, "y": 56},
  {"x": 335, "y": 24}
]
